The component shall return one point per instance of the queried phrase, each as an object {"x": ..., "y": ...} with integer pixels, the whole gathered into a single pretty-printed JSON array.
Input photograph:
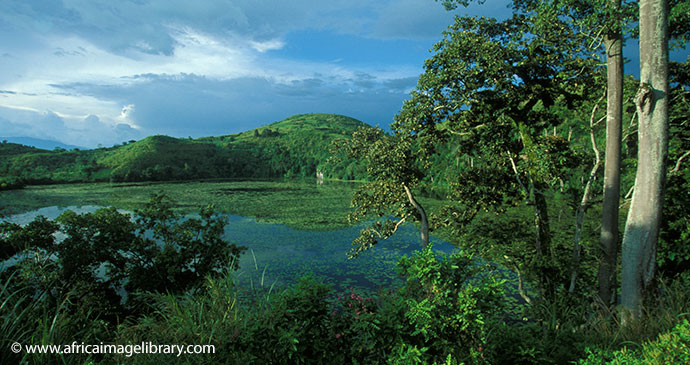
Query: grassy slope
[{"x": 296, "y": 146}]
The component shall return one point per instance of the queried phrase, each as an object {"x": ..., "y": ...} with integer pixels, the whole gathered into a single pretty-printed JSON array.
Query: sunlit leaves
[{"x": 392, "y": 163}]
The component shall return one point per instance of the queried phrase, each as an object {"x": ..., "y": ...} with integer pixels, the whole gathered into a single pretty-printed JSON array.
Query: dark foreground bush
[
  {"x": 672, "y": 347},
  {"x": 442, "y": 314}
]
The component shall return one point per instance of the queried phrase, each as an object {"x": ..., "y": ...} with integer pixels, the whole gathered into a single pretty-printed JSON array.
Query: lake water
[{"x": 279, "y": 255}]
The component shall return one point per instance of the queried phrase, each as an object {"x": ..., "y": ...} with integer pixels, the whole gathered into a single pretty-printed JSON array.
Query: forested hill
[{"x": 296, "y": 146}]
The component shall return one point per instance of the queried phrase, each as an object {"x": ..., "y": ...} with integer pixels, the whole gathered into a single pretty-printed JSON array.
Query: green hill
[{"x": 296, "y": 146}]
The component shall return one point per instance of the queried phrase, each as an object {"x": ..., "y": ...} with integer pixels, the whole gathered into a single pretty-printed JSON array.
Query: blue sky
[{"x": 89, "y": 72}]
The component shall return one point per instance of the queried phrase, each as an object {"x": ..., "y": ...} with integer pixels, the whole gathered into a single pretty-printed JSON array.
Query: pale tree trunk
[
  {"x": 644, "y": 216},
  {"x": 614, "y": 117},
  {"x": 423, "y": 220}
]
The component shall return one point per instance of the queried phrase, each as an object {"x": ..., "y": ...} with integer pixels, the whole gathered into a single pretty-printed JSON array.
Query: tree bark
[
  {"x": 423, "y": 220},
  {"x": 644, "y": 216},
  {"x": 614, "y": 120}
]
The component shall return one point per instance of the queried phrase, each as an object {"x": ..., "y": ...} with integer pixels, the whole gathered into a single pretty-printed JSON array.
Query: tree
[
  {"x": 644, "y": 217},
  {"x": 159, "y": 251},
  {"x": 493, "y": 88},
  {"x": 597, "y": 21},
  {"x": 392, "y": 170},
  {"x": 613, "y": 44}
]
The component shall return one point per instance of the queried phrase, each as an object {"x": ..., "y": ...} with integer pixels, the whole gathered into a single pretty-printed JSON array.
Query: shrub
[
  {"x": 70, "y": 289},
  {"x": 11, "y": 183},
  {"x": 449, "y": 305},
  {"x": 672, "y": 347},
  {"x": 292, "y": 326}
]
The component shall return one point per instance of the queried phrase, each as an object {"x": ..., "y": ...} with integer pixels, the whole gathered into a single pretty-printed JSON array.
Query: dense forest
[
  {"x": 295, "y": 147},
  {"x": 552, "y": 166}
]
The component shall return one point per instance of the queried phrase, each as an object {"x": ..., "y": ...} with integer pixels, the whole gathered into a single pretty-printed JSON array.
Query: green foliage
[
  {"x": 182, "y": 252},
  {"x": 295, "y": 147},
  {"x": 29, "y": 320},
  {"x": 392, "y": 173},
  {"x": 293, "y": 326},
  {"x": 672, "y": 347},
  {"x": 11, "y": 182},
  {"x": 449, "y": 305},
  {"x": 211, "y": 316},
  {"x": 450, "y": 310},
  {"x": 305, "y": 324},
  {"x": 69, "y": 286},
  {"x": 500, "y": 114},
  {"x": 15, "y": 238}
]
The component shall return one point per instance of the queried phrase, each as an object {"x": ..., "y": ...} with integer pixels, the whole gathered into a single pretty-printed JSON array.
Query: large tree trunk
[
  {"x": 644, "y": 217},
  {"x": 423, "y": 220},
  {"x": 614, "y": 116}
]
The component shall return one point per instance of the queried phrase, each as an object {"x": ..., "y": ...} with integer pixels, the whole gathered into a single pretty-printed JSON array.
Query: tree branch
[
  {"x": 627, "y": 132},
  {"x": 517, "y": 174},
  {"x": 395, "y": 229},
  {"x": 678, "y": 162},
  {"x": 464, "y": 133},
  {"x": 423, "y": 221},
  {"x": 521, "y": 289}
]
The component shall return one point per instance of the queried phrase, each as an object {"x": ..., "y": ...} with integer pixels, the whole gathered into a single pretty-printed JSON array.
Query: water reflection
[{"x": 279, "y": 255}]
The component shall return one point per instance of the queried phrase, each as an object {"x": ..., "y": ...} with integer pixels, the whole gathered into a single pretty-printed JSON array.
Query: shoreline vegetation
[
  {"x": 296, "y": 203},
  {"x": 322, "y": 319}
]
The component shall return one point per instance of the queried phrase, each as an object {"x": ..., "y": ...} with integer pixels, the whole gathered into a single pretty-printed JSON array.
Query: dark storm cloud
[{"x": 198, "y": 106}]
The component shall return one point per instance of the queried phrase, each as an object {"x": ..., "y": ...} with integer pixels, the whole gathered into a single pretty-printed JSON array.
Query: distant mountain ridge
[
  {"x": 294, "y": 147},
  {"x": 44, "y": 144}
]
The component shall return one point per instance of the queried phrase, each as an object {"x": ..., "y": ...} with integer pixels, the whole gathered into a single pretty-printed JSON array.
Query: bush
[
  {"x": 672, "y": 347},
  {"x": 291, "y": 326},
  {"x": 450, "y": 304},
  {"x": 441, "y": 315},
  {"x": 210, "y": 316},
  {"x": 11, "y": 183},
  {"x": 70, "y": 290}
]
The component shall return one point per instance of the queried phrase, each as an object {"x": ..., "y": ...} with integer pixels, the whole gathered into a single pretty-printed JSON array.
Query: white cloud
[
  {"x": 125, "y": 116},
  {"x": 271, "y": 45},
  {"x": 87, "y": 132},
  {"x": 109, "y": 69}
]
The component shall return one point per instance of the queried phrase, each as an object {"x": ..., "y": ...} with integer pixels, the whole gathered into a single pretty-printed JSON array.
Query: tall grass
[
  {"x": 211, "y": 315},
  {"x": 663, "y": 324},
  {"x": 28, "y": 320}
]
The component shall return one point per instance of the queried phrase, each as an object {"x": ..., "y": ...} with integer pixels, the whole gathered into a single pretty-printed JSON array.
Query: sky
[{"x": 100, "y": 72}]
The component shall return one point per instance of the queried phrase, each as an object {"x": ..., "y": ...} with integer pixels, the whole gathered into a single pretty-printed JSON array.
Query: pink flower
[{"x": 337, "y": 335}]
